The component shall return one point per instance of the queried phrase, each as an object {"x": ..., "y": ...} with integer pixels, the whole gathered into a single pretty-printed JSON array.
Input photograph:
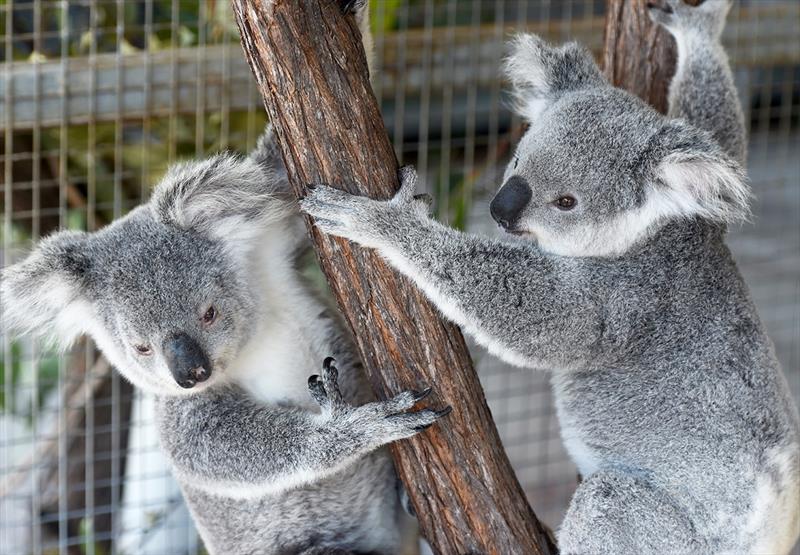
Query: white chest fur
[{"x": 290, "y": 340}]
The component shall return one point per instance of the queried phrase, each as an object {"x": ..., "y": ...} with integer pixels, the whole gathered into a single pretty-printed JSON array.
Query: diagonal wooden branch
[{"x": 311, "y": 69}]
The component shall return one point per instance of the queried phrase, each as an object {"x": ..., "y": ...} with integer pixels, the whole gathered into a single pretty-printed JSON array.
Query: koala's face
[
  {"x": 166, "y": 291},
  {"x": 172, "y": 305},
  {"x": 597, "y": 168},
  {"x": 573, "y": 175}
]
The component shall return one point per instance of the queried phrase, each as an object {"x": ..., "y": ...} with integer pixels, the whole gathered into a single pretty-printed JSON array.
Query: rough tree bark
[
  {"x": 311, "y": 69},
  {"x": 638, "y": 56}
]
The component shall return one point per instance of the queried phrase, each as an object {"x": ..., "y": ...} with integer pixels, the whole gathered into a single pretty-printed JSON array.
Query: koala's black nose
[
  {"x": 186, "y": 360},
  {"x": 509, "y": 202}
]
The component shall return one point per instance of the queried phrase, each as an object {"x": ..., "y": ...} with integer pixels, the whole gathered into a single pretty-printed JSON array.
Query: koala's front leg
[
  {"x": 702, "y": 91},
  {"x": 223, "y": 442},
  {"x": 528, "y": 308}
]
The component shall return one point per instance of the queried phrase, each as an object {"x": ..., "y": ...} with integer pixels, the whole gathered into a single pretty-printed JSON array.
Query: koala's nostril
[
  {"x": 200, "y": 373},
  {"x": 509, "y": 202},
  {"x": 186, "y": 384},
  {"x": 186, "y": 360}
]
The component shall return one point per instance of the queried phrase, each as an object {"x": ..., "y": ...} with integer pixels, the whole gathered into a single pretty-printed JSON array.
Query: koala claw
[
  {"x": 391, "y": 420},
  {"x": 420, "y": 395},
  {"x": 325, "y": 388},
  {"x": 361, "y": 219},
  {"x": 382, "y": 421},
  {"x": 437, "y": 414},
  {"x": 411, "y": 423}
]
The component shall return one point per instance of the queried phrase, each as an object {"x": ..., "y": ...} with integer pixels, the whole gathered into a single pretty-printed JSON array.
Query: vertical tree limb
[
  {"x": 638, "y": 56},
  {"x": 311, "y": 69}
]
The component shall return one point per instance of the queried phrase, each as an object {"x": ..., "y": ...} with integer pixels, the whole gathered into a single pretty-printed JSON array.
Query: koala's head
[
  {"x": 598, "y": 170},
  {"x": 163, "y": 291}
]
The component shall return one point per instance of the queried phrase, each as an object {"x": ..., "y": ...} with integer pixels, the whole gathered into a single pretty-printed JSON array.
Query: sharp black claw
[
  {"x": 420, "y": 395},
  {"x": 444, "y": 412},
  {"x": 311, "y": 186},
  {"x": 422, "y": 427},
  {"x": 328, "y": 362},
  {"x": 314, "y": 380}
]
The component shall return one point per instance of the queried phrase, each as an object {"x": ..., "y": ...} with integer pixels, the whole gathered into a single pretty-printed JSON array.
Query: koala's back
[
  {"x": 686, "y": 390},
  {"x": 357, "y": 507}
]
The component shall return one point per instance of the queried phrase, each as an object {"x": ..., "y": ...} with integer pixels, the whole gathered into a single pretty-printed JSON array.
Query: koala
[
  {"x": 195, "y": 299},
  {"x": 617, "y": 279}
]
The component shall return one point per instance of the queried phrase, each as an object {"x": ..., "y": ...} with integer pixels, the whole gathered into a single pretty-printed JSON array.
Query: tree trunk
[
  {"x": 311, "y": 69},
  {"x": 638, "y": 55}
]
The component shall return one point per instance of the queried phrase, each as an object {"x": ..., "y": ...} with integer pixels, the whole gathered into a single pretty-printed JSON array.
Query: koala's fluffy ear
[
  {"x": 692, "y": 176},
  {"x": 225, "y": 197},
  {"x": 268, "y": 156},
  {"x": 540, "y": 73},
  {"x": 45, "y": 294}
]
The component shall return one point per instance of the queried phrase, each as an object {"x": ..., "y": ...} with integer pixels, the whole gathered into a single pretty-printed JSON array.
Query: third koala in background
[
  {"x": 670, "y": 398},
  {"x": 195, "y": 298}
]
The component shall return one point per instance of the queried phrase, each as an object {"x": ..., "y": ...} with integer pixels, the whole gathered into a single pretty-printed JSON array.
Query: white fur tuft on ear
[
  {"x": 694, "y": 184},
  {"x": 540, "y": 73},
  {"x": 524, "y": 67},
  {"x": 42, "y": 295},
  {"x": 226, "y": 197}
]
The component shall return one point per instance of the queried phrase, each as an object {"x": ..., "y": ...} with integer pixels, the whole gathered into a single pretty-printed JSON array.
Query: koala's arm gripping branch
[
  {"x": 223, "y": 441},
  {"x": 702, "y": 91},
  {"x": 495, "y": 289},
  {"x": 312, "y": 72},
  {"x": 248, "y": 446}
]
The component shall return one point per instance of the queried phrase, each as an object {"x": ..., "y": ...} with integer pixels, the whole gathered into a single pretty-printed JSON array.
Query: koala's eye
[
  {"x": 566, "y": 202},
  {"x": 210, "y": 316},
  {"x": 143, "y": 350}
]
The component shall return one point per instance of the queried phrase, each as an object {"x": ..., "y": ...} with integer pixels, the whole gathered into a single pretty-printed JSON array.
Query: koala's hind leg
[
  {"x": 614, "y": 513},
  {"x": 702, "y": 91}
]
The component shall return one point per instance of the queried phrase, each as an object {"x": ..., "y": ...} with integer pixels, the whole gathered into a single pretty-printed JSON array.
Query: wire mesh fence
[{"x": 98, "y": 97}]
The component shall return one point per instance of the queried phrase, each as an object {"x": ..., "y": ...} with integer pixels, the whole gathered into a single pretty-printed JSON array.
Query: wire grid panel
[{"x": 100, "y": 96}]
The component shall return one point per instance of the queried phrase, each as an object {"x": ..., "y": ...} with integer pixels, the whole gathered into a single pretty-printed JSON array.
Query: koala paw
[
  {"x": 388, "y": 421},
  {"x": 325, "y": 388},
  {"x": 380, "y": 422},
  {"x": 677, "y": 16},
  {"x": 361, "y": 219}
]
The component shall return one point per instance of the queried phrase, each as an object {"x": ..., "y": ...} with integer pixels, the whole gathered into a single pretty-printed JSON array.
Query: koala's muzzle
[
  {"x": 186, "y": 360},
  {"x": 509, "y": 202}
]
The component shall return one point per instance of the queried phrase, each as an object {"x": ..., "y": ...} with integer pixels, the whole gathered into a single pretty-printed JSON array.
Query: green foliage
[
  {"x": 12, "y": 377},
  {"x": 383, "y": 14},
  {"x": 86, "y": 533},
  {"x": 77, "y": 28},
  {"x": 9, "y": 378}
]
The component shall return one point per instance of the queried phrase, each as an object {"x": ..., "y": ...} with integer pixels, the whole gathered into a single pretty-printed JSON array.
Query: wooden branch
[
  {"x": 311, "y": 69},
  {"x": 638, "y": 55}
]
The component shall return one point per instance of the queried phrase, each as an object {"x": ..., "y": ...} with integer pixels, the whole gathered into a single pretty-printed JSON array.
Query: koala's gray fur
[
  {"x": 670, "y": 399},
  {"x": 263, "y": 469}
]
